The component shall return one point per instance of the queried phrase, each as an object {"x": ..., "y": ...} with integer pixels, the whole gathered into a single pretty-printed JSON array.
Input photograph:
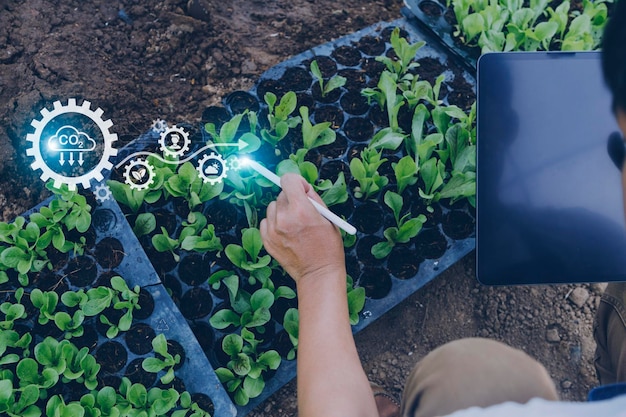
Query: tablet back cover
[{"x": 549, "y": 198}]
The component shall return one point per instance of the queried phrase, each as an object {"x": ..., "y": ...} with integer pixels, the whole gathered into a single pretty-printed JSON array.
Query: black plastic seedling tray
[
  {"x": 431, "y": 15},
  {"x": 348, "y": 56},
  {"x": 169, "y": 285}
]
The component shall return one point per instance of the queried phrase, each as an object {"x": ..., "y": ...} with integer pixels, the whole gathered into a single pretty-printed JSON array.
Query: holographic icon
[
  {"x": 174, "y": 141},
  {"x": 72, "y": 144},
  {"x": 139, "y": 174},
  {"x": 212, "y": 168},
  {"x": 102, "y": 192},
  {"x": 159, "y": 125}
]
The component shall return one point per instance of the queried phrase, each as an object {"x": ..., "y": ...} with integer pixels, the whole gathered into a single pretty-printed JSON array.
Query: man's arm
[{"x": 331, "y": 380}]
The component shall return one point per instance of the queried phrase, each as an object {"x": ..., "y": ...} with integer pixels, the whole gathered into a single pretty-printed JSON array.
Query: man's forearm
[{"x": 331, "y": 380}]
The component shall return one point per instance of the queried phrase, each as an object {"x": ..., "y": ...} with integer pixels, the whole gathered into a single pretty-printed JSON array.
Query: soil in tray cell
[
  {"x": 196, "y": 303},
  {"x": 329, "y": 97},
  {"x": 296, "y": 79},
  {"x": 404, "y": 262},
  {"x": 331, "y": 114},
  {"x": 331, "y": 169},
  {"x": 327, "y": 65},
  {"x": 371, "y": 45},
  {"x": 222, "y": 214},
  {"x": 356, "y": 79},
  {"x": 347, "y": 55},
  {"x": 195, "y": 269},
  {"x": 368, "y": 217},
  {"x": 353, "y": 102},
  {"x": 430, "y": 243},
  {"x": 376, "y": 281},
  {"x": 49, "y": 281},
  {"x": 112, "y": 356},
  {"x": 335, "y": 149},
  {"x": 431, "y": 8},
  {"x": 364, "y": 250},
  {"x": 240, "y": 101},
  {"x": 283, "y": 344},
  {"x": 109, "y": 252},
  {"x": 139, "y": 338},
  {"x": 146, "y": 304},
  {"x": 204, "y": 402},
  {"x": 358, "y": 129},
  {"x": 458, "y": 224},
  {"x": 82, "y": 271},
  {"x": 205, "y": 335},
  {"x": 89, "y": 338},
  {"x": 217, "y": 115},
  {"x": 138, "y": 375}
]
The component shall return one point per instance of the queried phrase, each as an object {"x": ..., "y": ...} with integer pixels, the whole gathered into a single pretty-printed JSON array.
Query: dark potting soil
[
  {"x": 430, "y": 243},
  {"x": 371, "y": 45},
  {"x": 327, "y": 65},
  {"x": 139, "y": 338},
  {"x": 331, "y": 114},
  {"x": 218, "y": 115},
  {"x": 222, "y": 214},
  {"x": 296, "y": 79},
  {"x": 364, "y": 250},
  {"x": 112, "y": 315},
  {"x": 196, "y": 303},
  {"x": 283, "y": 344},
  {"x": 177, "y": 383},
  {"x": 106, "y": 380},
  {"x": 368, "y": 217},
  {"x": 49, "y": 281},
  {"x": 112, "y": 356},
  {"x": 347, "y": 55},
  {"x": 240, "y": 101},
  {"x": 335, "y": 149},
  {"x": 195, "y": 269},
  {"x": 328, "y": 98},
  {"x": 331, "y": 169},
  {"x": 205, "y": 335},
  {"x": 82, "y": 271},
  {"x": 353, "y": 102},
  {"x": 109, "y": 252},
  {"x": 204, "y": 401},
  {"x": 376, "y": 281},
  {"x": 359, "y": 129},
  {"x": 89, "y": 338},
  {"x": 431, "y": 8},
  {"x": 146, "y": 304},
  {"x": 458, "y": 224},
  {"x": 355, "y": 79},
  {"x": 404, "y": 262},
  {"x": 138, "y": 375}
]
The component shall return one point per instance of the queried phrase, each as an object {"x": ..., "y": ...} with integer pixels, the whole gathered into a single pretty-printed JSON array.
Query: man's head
[{"x": 614, "y": 60}]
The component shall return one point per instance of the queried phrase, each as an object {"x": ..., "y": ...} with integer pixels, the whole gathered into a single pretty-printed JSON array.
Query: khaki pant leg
[
  {"x": 473, "y": 372},
  {"x": 610, "y": 335}
]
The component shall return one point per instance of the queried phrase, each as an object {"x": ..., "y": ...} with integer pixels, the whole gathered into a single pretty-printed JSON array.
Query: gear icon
[
  {"x": 234, "y": 163},
  {"x": 170, "y": 139},
  {"x": 74, "y": 143},
  {"x": 139, "y": 174},
  {"x": 212, "y": 168},
  {"x": 102, "y": 193},
  {"x": 159, "y": 125}
]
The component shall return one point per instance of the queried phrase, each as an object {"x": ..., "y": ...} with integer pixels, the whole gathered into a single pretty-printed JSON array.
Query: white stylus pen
[{"x": 329, "y": 215}]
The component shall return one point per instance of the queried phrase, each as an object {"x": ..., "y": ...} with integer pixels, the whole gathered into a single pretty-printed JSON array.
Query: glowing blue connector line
[{"x": 240, "y": 144}]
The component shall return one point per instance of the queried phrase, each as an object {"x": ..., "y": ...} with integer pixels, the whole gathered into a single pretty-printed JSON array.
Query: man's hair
[{"x": 614, "y": 55}]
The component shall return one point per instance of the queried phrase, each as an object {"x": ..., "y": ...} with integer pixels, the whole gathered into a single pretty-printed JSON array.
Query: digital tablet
[{"x": 549, "y": 198}]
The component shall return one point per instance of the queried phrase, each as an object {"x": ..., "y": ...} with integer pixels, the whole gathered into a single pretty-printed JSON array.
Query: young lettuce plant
[
  {"x": 248, "y": 257},
  {"x": 12, "y": 311},
  {"x": 16, "y": 402},
  {"x": 406, "y": 227},
  {"x": 365, "y": 172},
  {"x": 243, "y": 376},
  {"x": 187, "y": 184},
  {"x": 249, "y": 311},
  {"x": 167, "y": 361},
  {"x": 356, "y": 300},
  {"x": 279, "y": 117},
  {"x": 292, "y": 327},
  {"x": 336, "y": 81}
]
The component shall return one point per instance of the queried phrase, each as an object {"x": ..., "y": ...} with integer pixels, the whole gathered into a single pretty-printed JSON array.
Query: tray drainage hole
[{"x": 431, "y": 8}]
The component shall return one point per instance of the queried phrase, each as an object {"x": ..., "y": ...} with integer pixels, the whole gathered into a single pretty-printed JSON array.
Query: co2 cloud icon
[{"x": 70, "y": 139}]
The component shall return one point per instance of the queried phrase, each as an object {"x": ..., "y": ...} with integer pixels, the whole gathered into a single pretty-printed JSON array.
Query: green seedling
[
  {"x": 18, "y": 402},
  {"x": 406, "y": 227},
  {"x": 405, "y": 172},
  {"x": 248, "y": 257},
  {"x": 315, "y": 135},
  {"x": 279, "y": 117},
  {"x": 356, "y": 300},
  {"x": 336, "y": 81},
  {"x": 365, "y": 172},
  {"x": 196, "y": 235},
  {"x": 46, "y": 302},
  {"x": 187, "y": 184},
  {"x": 12, "y": 311},
  {"x": 292, "y": 327},
  {"x": 249, "y": 311},
  {"x": 227, "y": 278},
  {"x": 405, "y": 54},
  {"x": 229, "y": 133},
  {"x": 167, "y": 361},
  {"x": 243, "y": 376},
  {"x": 11, "y": 339}
]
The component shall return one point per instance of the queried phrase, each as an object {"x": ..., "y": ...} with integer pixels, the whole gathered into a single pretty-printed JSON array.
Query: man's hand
[{"x": 297, "y": 236}]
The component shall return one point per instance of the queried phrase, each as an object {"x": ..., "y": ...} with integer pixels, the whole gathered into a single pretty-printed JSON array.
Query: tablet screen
[{"x": 549, "y": 198}]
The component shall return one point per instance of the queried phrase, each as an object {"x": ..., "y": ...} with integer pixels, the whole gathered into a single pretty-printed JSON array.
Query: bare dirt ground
[{"x": 140, "y": 60}]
